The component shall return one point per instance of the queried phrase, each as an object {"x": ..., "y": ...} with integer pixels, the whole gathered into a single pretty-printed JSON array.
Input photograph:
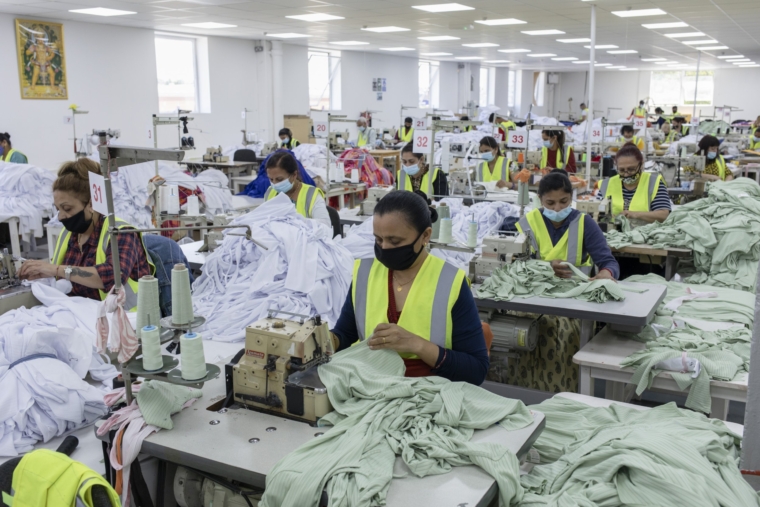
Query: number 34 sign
[
  {"x": 97, "y": 193},
  {"x": 422, "y": 141}
]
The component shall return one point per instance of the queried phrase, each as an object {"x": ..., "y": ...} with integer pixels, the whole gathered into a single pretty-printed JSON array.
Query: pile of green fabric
[
  {"x": 599, "y": 457},
  {"x": 723, "y": 230},
  {"x": 536, "y": 278},
  {"x": 380, "y": 414}
]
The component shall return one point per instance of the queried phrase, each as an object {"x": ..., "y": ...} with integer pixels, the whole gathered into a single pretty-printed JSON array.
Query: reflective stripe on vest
[
  {"x": 307, "y": 198},
  {"x": 7, "y": 156},
  {"x": 558, "y": 163},
  {"x": 670, "y": 137},
  {"x": 508, "y": 125},
  {"x": 423, "y": 315},
  {"x": 642, "y": 200},
  {"x": 754, "y": 145},
  {"x": 720, "y": 161},
  {"x": 484, "y": 173},
  {"x": 640, "y": 112},
  {"x": 362, "y": 139},
  {"x": 407, "y": 138},
  {"x": 570, "y": 246},
  {"x": 684, "y": 129},
  {"x": 404, "y": 181}
]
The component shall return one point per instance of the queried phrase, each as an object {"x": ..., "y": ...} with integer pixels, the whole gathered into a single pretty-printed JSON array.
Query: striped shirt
[{"x": 661, "y": 199}]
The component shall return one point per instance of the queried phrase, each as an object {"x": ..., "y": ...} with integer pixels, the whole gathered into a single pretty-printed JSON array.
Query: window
[
  {"x": 512, "y": 90},
  {"x": 487, "y": 86},
  {"x": 676, "y": 88},
  {"x": 177, "y": 70},
  {"x": 324, "y": 80},
  {"x": 539, "y": 78},
  {"x": 428, "y": 84}
]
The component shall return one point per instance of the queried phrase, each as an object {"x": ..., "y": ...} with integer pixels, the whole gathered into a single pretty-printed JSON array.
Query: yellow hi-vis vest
[
  {"x": 720, "y": 161},
  {"x": 508, "y": 125},
  {"x": 640, "y": 112},
  {"x": 645, "y": 193},
  {"x": 484, "y": 174},
  {"x": 428, "y": 306},
  {"x": 636, "y": 141},
  {"x": 48, "y": 478},
  {"x": 307, "y": 197},
  {"x": 363, "y": 138},
  {"x": 407, "y": 138},
  {"x": 404, "y": 181},
  {"x": 291, "y": 144},
  {"x": 62, "y": 246},
  {"x": 7, "y": 156},
  {"x": 557, "y": 162},
  {"x": 670, "y": 138},
  {"x": 753, "y": 145},
  {"x": 569, "y": 248}
]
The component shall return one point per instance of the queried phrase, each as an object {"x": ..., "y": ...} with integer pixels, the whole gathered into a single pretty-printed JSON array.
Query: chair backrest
[
  {"x": 335, "y": 221},
  {"x": 244, "y": 156}
]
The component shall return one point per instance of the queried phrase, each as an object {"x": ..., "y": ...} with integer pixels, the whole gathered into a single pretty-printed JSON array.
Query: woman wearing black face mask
[
  {"x": 412, "y": 302},
  {"x": 83, "y": 253}
]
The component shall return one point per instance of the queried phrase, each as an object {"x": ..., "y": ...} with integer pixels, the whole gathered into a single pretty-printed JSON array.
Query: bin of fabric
[
  {"x": 618, "y": 455},
  {"x": 259, "y": 186},
  {"x": 26, "y": 192},
  {"x": 722, "y": 229}
]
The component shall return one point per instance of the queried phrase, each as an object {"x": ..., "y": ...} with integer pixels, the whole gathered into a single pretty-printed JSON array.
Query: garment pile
[
  {"x": 534, "y": 278},
  {"x": 370, "y": 173},
  {"x": 303, "y": 271},
  {"x": 313, "y": 157},
  {"x": 26, "y": 192},
  {"x": 722, "y": 229},
  {"x": 380, "y": 414},
  {"x": 596, "y": 457}
]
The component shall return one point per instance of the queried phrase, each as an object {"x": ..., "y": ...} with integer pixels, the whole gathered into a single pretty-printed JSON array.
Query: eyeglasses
[{"x": 628, "y": 170}]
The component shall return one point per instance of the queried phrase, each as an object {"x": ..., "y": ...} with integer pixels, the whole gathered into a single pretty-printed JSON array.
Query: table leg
[
  {"x": 587, "y": 331},
  {"x": 15, "y": 245},
  {"x": 586, "y": 383},
  {"x": 719, "y": 408},
  {"x": 671, "y": 262}
]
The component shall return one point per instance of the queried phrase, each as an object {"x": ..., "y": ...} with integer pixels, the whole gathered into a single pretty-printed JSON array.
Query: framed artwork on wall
[{"x": 41, "y": 60}]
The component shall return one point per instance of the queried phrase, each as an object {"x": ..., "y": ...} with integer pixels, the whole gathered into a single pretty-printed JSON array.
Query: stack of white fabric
[
  {"x": 26, "y": 192},
  {"x": 673, "y": 148},
  {"x": 303, "y": 271},
  {"x": 313, "y": 157}
]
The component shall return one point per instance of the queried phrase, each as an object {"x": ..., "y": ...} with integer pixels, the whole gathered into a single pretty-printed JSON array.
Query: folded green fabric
[{"x": 159, "y": 400}]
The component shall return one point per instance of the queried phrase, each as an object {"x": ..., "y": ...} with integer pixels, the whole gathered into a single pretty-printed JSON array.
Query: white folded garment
[
  {"x": 26, "y": 192},
  {"x": 683, "y": 364}
]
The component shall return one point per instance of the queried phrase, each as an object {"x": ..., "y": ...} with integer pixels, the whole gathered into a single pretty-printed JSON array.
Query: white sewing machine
[
  {"x": 269, "y": 148},
  {"x": 593, "y": 207},
  {"x": 374, "y": 194},
  {"x": 215, "y": 155},
  {"x": 498, "y": 250}
]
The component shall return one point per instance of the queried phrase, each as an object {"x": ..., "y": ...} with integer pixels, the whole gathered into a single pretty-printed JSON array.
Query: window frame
[
  {"x": 333, "y": 87},
  {"x": 197, "y": 108},
  {"x": 685, "y": 99},
  {"x": 433, "y": 91}
]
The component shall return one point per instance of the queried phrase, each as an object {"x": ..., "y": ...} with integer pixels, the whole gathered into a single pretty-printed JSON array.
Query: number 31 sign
[
  {"x": 422, "y": 141},
  {"x": 97, "y": 193}
]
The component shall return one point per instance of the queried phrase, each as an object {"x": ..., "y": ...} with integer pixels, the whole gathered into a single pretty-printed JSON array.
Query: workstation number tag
[
  {"x": 423, "y": 140},
  {"x": 320, "y": 129},
  {"x": 97, "y": 193},
  {"x": 517, "y": 140}
]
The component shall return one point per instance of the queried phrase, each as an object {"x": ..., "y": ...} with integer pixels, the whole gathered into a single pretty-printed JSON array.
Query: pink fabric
[
  {"x": 114, "y": 396},
  {"x": 123, "y": 340}
]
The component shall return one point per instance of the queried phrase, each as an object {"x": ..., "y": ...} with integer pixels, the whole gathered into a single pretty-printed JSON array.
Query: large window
[
  {"x": 177, "y": 69},
  {"x": 324, "y": 80},
  {"x": 676, "y": 88},
  {"x": 487, "y": 86},
  {"x": 539, "y": 79},
  {"x": 428, "y": 84}
]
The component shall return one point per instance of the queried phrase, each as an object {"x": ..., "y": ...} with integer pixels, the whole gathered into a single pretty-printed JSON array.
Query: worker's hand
[
  {"x": 604, "y": 275},
  {"x": 391, "y": 336},
  {"x": 34, "y": 270},
  {"x": 560, "y": 269},
  {"x": 630, "y": 214},
  {"x": 503, "y": 184}
]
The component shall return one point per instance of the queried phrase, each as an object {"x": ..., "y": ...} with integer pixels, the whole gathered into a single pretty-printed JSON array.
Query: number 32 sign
[
  {"x": 422, "y": 141},
  {"x": 97, "y": 193}
]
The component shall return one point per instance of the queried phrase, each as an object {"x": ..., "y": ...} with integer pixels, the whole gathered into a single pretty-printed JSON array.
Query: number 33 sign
[
  {"x": 517, "y": 140},
  {"x": 422, "y": 141},
  {"x": 97, "y": 193}
]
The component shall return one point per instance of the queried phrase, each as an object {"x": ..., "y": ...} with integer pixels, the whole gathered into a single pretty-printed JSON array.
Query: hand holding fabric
[
  {"x": 560, "y": 269},
  {"x": 34, "y": 270},
  {"x": 394, "y": 337},
  {"x": 604, "y": 275},
  {"x": 502, "y": 184}
]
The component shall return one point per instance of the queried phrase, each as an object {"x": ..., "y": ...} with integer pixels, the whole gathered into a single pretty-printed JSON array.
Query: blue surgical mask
[
  {"x": 362, "y": 129},
  {"x": 411, "y": 170},
  {"x": 283, "y": 186},
  {"x": 285, "y": 141},
  {"x": 557, "y": 216},
  {"x": 711, "y": 155},
  {"x": 547, "y": 144},
  {"x": 487, "y": 156}
]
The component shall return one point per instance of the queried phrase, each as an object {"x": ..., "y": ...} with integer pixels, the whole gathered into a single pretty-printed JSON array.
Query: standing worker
[
  {"x": 282, "y": 171},
  {"x": 286, "y": 139},
  {"x": 639, "y": 112},
  {"x": 7, "y": 153},
  {"x": 675, "y": 112},
  {"x": 494, "y": 167},
  {"x": 715, "y": 164},
  {"x": 626, "y": 136},
  {"x": 406, "y": 133},
  {"x": 584, "y": 113},
  {"x": 365, "y": 136},
  {"x": 415, "y": 174},
  {"x": 554, "y": 154}
]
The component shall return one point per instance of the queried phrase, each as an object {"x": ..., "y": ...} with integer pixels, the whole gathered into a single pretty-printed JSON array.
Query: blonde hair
[{"x": 73, "y": 177}]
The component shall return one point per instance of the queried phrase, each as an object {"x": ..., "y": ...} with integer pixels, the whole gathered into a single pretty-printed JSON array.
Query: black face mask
[
  {"x": 400, "y": 258},
  {"x": 77, "y": 224}
]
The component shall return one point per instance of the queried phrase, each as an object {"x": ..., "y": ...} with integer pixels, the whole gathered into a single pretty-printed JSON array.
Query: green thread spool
[
  {"x": 193, "y": 360},
  {"x": 151, "y": 348},
  {"x": 148, "y": 309},
  {"x": 182, "y": 302}
]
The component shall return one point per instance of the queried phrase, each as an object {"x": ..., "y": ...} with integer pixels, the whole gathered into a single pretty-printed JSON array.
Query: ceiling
[{"x": 733, "y": 23}]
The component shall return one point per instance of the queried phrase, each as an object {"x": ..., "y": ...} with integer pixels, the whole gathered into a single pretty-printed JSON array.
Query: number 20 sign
[
  {"x": 422, "y": 141},
  {"x": 517, "y": 140}
]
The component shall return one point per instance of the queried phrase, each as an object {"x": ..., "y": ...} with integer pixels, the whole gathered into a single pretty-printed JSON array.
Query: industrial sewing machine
[
  {"x": 593, "y": 207},
  {"x": 269, "y": 148},
  {"x": 12, "y": 294},
  {"x": 277, "y": 371},
  {"x": 374, "y": 194},
  {"x": 338, "y": 141},
  {"x": 215, "y": 155},
  {"x": 499, "y": 250},
  {"x": 8, "y": 277}
]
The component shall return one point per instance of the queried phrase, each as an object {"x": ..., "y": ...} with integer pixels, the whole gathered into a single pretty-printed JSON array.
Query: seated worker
[
  {"x": 366, "y": 136},
  {"x": 83, "y": 253},
  {"x": 675, "y": 112},
  {"x": 7, "y": 153},
  {"x": 407, "y": 300},
  {"x": 494, "y": 167},
  {"x": 282, "y": 171},
  {"x": 286, "y": 139},
  {"x": 755, "y": 125},
  {"x": 661, "y": 120},
  {"x": 406, "y": 133},
  {"x": 469, "y": 127},
  {"x": 639, "y": 112},
  {"x": 584, "y": 113},
  {"x": 503, "y": 124},
  {"x": 679, "y": 127},
  {"x": 626, "y": 136},
  {"x": 633, "y": 192},
  {"x": 715, "y": 165},
  {"x": 415, "y": 174},
  {"x": 554, "y": 154},
  {"x": 754, "y": 142},
  {"x": 554, "y": 227},
  {"x": 669, "y": 133}
]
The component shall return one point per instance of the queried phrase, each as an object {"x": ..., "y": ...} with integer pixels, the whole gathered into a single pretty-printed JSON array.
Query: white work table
[
  {"x": 195, "y": 258},
  {"x": 601, "y": 359}
]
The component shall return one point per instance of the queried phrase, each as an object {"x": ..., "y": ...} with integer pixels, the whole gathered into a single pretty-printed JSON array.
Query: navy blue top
[
  {"x": 594, "y": 242},
  {"x": 468, "y": 359}
]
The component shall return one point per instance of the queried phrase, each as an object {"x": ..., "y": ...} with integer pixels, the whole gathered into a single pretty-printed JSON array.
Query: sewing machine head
[
  {"x": 499, "y": 250},
  {"x": 593, "y": 207},
  {"x": 277, "y": 373},
  {"x": 374, "y": 194},
  {"x": 8, "y": 276},
  {"x": 338, "y": 140},
  {"x": 215, "y": 155}
]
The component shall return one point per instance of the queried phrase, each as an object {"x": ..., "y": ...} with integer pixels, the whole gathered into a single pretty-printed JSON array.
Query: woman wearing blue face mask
[
  {"x": 286, "y": 139},
  {"x": 415, "y": 174},
  {"x": 554, "y": 154},
  {"x": 7, "y": 153},
  {"x": 282, "y": 171},
  {"x": 494, "y": 167},
  {"x": 715, "y": 165}
]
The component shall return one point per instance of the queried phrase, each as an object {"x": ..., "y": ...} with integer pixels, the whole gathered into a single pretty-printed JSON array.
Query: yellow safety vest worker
[
  {"x": 645, "y": 193},
  {"x": 307, "y": 197},
  {"x": 584, "y": 114},
  {"x": 484, "y": 174},
  {"x": 7, "y": 156},
  {"x": 752, "y": 130},
  {"x": 48, "y": 478},
  {"x": 404, "y": 181},
  {"x": 557, "y": 161},
  {"x": 636, "y": 141},
  {"x": 569, "y": 248},
  {"x": 721, "y": 163},
  {"x": 292, "y": 143},
  {"x": 684, "y": 129},
  {"x": 408, "y": 136},
  {"x": 753, "y": 145},
  {"x": 508, "y": 125},
  {"x": 640, "y": 112},
  {"x": 62, "y": 246},
  {"x": 362, "y": 139},
  {"x": 428, "y": 306},
  {"x": 670, "y": 138}
]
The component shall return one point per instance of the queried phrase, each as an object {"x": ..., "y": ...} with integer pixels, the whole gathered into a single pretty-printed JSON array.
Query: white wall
[
  {"x": 295, "y": 79},
  {"x": 448, "y": 79},
  {"x": 738, "y": 88}
]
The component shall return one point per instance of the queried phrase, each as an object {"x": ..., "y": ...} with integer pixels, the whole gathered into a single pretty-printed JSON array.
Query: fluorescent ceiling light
[
  {"x": 469, "y": 58},
  {"x": 437, "y": 54},
  {"x": 703, "y": 41},
  {"x": 543, "y": 32},
  {"x": 396, "y": 49},
  {"x": 749, "y": 66},
  {"x": 496, "y": 61},
  {"x": 209, "y": 25},
  {"x": 541, "y": 55},
  {"x": 639, "y": 13},
  {"x": 564, "y": 59},
  {"x": 622, "y": 52},
  {"x": 733, "y": 56},
  {"x": 711, "y": 48},
  {"x": 739, "y": 60},
  {"x": 656, "y": 26},
  {"x": 617, "y": 67},
  {"x": 315, "y": 17},
  {"x": 348, "y": 43},
  {"x": 287, "y": 35},
  {"x": 583, "y": 61},
  {"x": 654, "y": 59},
  {"x": 514, "y": 50},
  {"x": 623, "y": 70},
  {"x": 666, "y": 62},
  {"x": 102, "y": 11},
  {"x": 602, "y": 46},
  {"x": 438, "y": 37},
  {"x": 386, "y": 29},
  {"x": 572, "y": 41},
  {"x": 443, "y": 7},
  {"x": 481, "y": 45},
  {"x": 683, "y": 35},
  {"x": 501, "y": 22},
  {"x": 745, "y": 63},
  {"x": 602, "y": 64}
]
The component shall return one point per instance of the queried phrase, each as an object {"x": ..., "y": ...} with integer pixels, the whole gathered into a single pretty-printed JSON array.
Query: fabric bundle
[
  {"x": 313, "y": 157},
  {"x": 26, "y": 192},
  {"x": 303, "y": 271},
  {"x": 370, "y": 173},
  {"x": 723, "y": 230},
  {"x": 380, "y": 414},
  {"x": 598, "y": 457}
]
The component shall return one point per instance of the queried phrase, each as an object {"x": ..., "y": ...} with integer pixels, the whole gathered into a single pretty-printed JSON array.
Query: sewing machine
[
  {"x": 374, "y": 194},
  {"x": 269, "y": 148},
  {"x": 8, "y": 276},
  {"x": 278, "y": 371},
  {"x": 338, "y": 140},
  {"x": 593, "y": 207},
  {"x": 12, "y": 294},
  {"x": 533, "y": 160},
  {"x": 215, "y": 236},
  {"x": 215, "y": 155},
  {"x": 498, "y": 250}
]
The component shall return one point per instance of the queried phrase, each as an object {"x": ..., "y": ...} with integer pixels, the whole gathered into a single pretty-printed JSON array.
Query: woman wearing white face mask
[
  {"x": 494, "y": 167},
  {"x": 715, "y": 165},
  {"x": 282, "y": 171},
  {"x": 415, "y": 174},
  {"x": 554, "y": 154}
]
